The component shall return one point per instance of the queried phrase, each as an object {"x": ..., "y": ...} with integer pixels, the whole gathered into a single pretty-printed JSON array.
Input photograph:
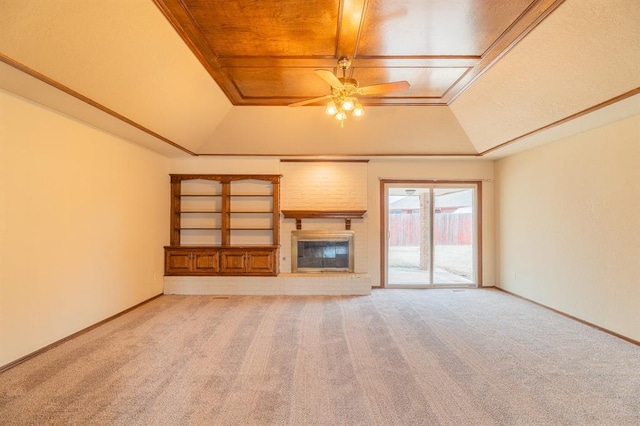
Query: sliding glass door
[{"x": 431, "y": 233}]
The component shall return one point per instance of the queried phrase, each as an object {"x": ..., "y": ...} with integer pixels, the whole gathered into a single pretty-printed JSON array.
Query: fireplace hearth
[{"x": 322, "y": 251}]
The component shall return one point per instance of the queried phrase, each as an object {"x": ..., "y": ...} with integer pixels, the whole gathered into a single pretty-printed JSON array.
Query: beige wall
[
  {"x": 83, "y": 218},
  {"x": 225, "y": 165},
  {"x": 569, "y": 225}
]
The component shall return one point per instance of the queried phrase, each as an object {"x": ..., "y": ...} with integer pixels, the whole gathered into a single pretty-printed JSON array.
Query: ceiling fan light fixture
[
  {"x": 331, "y": 108},
  {"x": 344, "y": 89},
  {"x": 358, "y": 111},
  {"x": 348, "y": 104}
]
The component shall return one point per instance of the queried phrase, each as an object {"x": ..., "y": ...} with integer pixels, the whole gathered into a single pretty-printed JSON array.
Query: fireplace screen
[{"x": 322, "y": 251}]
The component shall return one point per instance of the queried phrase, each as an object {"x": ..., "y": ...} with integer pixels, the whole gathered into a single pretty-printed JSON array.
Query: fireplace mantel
[{"x": 347, "y": 215}]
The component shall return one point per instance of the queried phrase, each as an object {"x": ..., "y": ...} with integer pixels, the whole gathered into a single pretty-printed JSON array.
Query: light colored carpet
[{"x": 397, "y": 357}]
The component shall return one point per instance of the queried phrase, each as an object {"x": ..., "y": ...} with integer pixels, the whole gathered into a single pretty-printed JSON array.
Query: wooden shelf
[
  {"x": 347, "y": 215},
  {"x": 251, "y": 212},
  {"x": 251, "y": 229},
  {"x": 235, "y": 246},
  {"x": 200, "y": 228},
  {"x": 200, "y": 195},
  {"x": 207, "y": 212}
]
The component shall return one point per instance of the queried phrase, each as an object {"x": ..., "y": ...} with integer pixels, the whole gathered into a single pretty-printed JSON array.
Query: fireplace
[{"x": 321, "y": 251}]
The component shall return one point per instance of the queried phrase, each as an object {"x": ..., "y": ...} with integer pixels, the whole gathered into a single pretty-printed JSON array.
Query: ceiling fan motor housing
[
  {"x": 344, "y": 90},
  {"x": 344, "y": 63},
  {"x": 347, "y": 81}
]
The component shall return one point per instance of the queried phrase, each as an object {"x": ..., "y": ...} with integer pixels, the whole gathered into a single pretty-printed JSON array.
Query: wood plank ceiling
[{"x": 263, "y": 52}]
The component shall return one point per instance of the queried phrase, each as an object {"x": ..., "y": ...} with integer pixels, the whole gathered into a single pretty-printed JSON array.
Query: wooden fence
[{"x": 449, "y": 229}]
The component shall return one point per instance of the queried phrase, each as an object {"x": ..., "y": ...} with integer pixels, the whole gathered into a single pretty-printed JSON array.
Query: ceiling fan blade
[
  {"x": 396, "y": 86},
  {"x": 330, "y": 78},
  {"x": 310, "y": 101}
]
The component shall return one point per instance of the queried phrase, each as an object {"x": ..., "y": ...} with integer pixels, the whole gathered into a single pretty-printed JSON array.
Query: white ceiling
[{"x": 123, "y": 56}]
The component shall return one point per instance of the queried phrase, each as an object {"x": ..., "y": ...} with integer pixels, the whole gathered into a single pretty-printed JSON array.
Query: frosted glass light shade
[
  {"x": 348, "y": 104},
  {"x": 358, "y": 111}
]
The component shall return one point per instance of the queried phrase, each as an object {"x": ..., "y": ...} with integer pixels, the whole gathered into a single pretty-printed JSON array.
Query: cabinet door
[
  {"x": 177, "y": 262},
  {"x": 261, "y": 262},
  {"x": 233, "y": 261},
  {"x": 205, "y": 262},
  {"x": 188, "y": 261}
]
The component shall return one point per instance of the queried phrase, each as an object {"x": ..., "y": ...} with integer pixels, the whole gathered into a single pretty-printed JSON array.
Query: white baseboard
[{"x": 284, "y": 284}]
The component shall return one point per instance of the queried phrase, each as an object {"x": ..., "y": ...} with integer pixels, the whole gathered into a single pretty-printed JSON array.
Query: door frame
[{"x": 384, "y": 231}]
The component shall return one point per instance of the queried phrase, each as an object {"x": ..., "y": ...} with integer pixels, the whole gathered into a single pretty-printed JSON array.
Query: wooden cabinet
[
  {"x": 221, "y": 261},
  {"x": 191, "y": 261},
  {"x": 224, "y": 225},
  {"x": 248, "y": 261},
  {"x": 261, "y": 262},
  {"x": 233, "y": 262}
]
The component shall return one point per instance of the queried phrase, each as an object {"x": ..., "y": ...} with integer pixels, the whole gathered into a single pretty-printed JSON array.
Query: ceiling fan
[{"x": 344, "y": 91}]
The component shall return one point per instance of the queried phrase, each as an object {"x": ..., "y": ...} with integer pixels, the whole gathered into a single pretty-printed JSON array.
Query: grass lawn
[{"x": 455, "y": 259}]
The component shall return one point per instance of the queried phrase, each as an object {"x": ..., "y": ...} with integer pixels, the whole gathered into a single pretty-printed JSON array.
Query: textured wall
[
  {"x": 569, "y": 225},
  {"x": 83, "y": 218}
]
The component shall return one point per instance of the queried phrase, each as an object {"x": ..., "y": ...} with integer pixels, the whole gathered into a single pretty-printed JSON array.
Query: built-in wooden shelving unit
[{"x": 224, "y": 225}]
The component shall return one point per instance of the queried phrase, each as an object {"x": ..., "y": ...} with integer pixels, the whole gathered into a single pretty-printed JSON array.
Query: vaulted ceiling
[{"x": 188, "y": 77}]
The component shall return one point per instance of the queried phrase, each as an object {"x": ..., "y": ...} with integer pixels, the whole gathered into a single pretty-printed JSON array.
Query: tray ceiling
[
  {"x": 121, "y": 66},
  {"x": 263, "y": 52}
]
